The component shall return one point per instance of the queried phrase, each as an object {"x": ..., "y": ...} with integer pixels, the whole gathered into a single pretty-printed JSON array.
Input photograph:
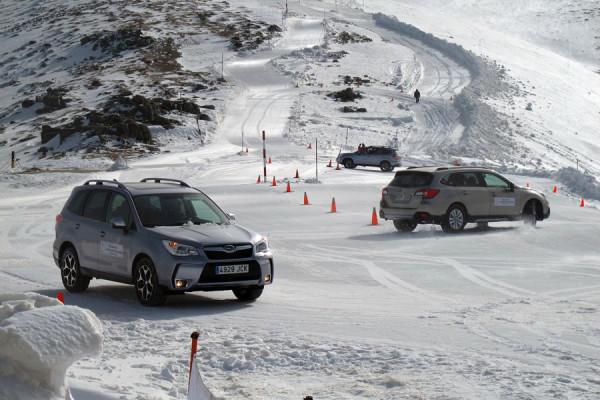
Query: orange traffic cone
[
  {"x": 527, "y": 184},
  {"x": 450, "y": 97},
  {"x": 297, "y": 176},
  {"x": 310, "y": 145},
  {"x": 582, "y": 204},
  {"x": 329, "y": 165},
  {"x": 296, "y": 85},
  {"x": 269, "y": 160},
  {"x": 288, "y": 188},
  {"x": 61, "y": 298},
  {"x": 457, "y": 164},
  {"x": 258, "y": 180},
  {"x": 305, "y": 199},
  {"x": 333, "y": 208},
  {"x": 338, "y": 167},
  {"x": 274, "y": 182},
  {"x": 246, "y": 149},
  {"x": 554, "y": 191},
  {"x": 374, "y": 217}
]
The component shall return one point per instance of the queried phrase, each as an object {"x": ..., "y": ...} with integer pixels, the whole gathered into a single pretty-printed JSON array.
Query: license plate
[
  {"x": 233, "y": 269},
  {"x": 401, "y": 197}
]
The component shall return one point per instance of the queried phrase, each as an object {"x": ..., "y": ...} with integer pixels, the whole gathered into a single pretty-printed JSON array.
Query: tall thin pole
[
  {"x": 242, "y": 140},
  {"x": 264, "y": 156},
  {"x": 222, "y": 65},
  {"x": 317, "y": 158}
]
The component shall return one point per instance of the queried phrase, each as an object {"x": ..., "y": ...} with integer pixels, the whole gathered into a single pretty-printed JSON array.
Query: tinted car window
[
  {"x": 95, "y": 205},
  {"x": 77, "y": 202},
  {"x": 412, "y": 179},
  {"x": 118, "y": 208}
]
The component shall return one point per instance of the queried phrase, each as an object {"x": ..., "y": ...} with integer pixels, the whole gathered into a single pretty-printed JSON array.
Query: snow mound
[
  {"x": 119, "y": 165},
  {"x": 39, "y": 339}
]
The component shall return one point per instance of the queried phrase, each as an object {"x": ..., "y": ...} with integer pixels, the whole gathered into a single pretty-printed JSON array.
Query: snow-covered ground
[{"x": 355, "y": 310}]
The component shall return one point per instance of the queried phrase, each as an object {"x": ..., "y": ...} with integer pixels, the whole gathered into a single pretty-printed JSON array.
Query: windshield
[{"x": 172, "y": 209}]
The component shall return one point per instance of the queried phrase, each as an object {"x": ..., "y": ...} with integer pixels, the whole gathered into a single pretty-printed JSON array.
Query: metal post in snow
[
  {"x": 242, "y": 140},
  {"x": 264, "y": 156},
  {"x": 317, "y": 158}
]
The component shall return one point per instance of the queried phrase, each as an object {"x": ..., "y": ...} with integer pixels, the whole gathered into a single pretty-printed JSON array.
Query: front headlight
[
  {"x": 262, "y": 246},
  {"x": 178, "y": 249}
]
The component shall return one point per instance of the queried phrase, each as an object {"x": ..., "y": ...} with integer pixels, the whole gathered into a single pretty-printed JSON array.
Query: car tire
[
  {"x": 248, "y": 294},
  {"x": 530, "y": 213},
  {"x": 385, "y": 166},
  {"x": 348, "y": 163},
  {"x": 70, "y": 272},
  {"x": 148, "y": 291},
  {"x": 455, "y": 219},
  {"x": 403, "y": 225}
]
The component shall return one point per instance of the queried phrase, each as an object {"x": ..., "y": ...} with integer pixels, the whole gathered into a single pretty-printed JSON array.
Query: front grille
[
  {"x": 209, "y": 273},
  {"x": 242, "y": 250}
]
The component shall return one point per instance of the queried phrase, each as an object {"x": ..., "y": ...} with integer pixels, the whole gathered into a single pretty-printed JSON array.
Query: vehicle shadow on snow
[
  {"x": 430, "y": 231},
  {"x": 109, "y": 298}
]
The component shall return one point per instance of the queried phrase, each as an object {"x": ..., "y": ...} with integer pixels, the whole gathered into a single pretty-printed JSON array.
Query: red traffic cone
[
  {"x": 61, "y": 298},
  {"x": 527, "y": 184},
  {"x": 305, "y": 199},
  {"x": 329, "y": 165},
  {"x": 457, "y": 163},
  {"x": 333, "y": 207},
  {"x": 296, "y": 85},
  {"x": 321, "y": 85},
  {"x": 401, "y": 90},
  {"x": 246, "y": 149},
  {"x": 338, "y": 167},
  {"x": 288, "y": 190},
  {"x": 582, "y": 203},
  {"x": 274, "y": 182},
  {"x": 554, "y": 191},
  {"x": 450, "y": 97},
  {"x": 374, "y": 217},
  {"x": 392, "y": 99},
  {"x": 310, "y": 145},
  {"x": 269, "y": 160},
  {"x": 258, "y": 180},
  {"x": 297, "y": 176}
]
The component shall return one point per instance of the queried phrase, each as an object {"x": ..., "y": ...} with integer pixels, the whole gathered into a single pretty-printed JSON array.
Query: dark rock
[{"x": 27, "y": 103}]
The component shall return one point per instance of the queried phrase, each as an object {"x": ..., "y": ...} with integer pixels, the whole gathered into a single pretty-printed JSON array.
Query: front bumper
[{"x": 202, "y": 276}]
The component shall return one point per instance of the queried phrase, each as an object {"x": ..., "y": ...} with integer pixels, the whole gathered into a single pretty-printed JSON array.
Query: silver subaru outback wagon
[
  {"x": 160, "y": 235},
  {"x": 455, "y": 196}
]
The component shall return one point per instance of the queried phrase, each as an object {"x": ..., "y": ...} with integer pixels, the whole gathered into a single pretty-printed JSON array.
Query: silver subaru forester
[
  {"x": 160, "y": 235},
  {"x": 455, "y": 196}
]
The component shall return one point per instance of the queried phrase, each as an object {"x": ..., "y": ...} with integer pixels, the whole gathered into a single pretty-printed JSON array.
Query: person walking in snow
[{"x": 417, "y": 95}]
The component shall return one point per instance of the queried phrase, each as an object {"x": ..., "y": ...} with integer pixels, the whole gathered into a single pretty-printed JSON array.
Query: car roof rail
[
  {"x": 166, "y": 180},
  {"x": 104, "y": 182}
]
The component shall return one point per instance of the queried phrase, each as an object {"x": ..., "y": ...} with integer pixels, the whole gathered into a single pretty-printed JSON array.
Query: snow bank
[{"x": 39, "y": 339}]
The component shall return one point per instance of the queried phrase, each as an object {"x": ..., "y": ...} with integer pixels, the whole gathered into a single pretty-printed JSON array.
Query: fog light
[
  {"x": 180, "y": 283},
  {"x": 268, "y": 278}
]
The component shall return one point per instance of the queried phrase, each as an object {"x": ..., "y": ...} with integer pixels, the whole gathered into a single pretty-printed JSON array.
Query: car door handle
[
  {"x": 77, "y": 226},
  {"x": 102, "y": 233},
  {"x": 465, "y": 192}
]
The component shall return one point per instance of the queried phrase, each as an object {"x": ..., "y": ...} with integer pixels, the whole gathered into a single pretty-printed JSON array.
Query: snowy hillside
[{"x": 184, "y": 89}]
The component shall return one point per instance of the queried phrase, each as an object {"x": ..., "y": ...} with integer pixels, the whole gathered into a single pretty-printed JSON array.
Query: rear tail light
[
  {"x": 427, "y": 193},
  {"x": 395, "y": 157},
  {"x": 384, "y": 192},
  {"x": 58, "y": 219}
]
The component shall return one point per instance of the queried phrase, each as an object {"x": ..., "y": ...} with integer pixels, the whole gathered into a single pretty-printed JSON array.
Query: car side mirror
[
  {"x": 510, "y": 188},
  {"x": 118, "y": 223},
  {"x": 231, "y": 216}
]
